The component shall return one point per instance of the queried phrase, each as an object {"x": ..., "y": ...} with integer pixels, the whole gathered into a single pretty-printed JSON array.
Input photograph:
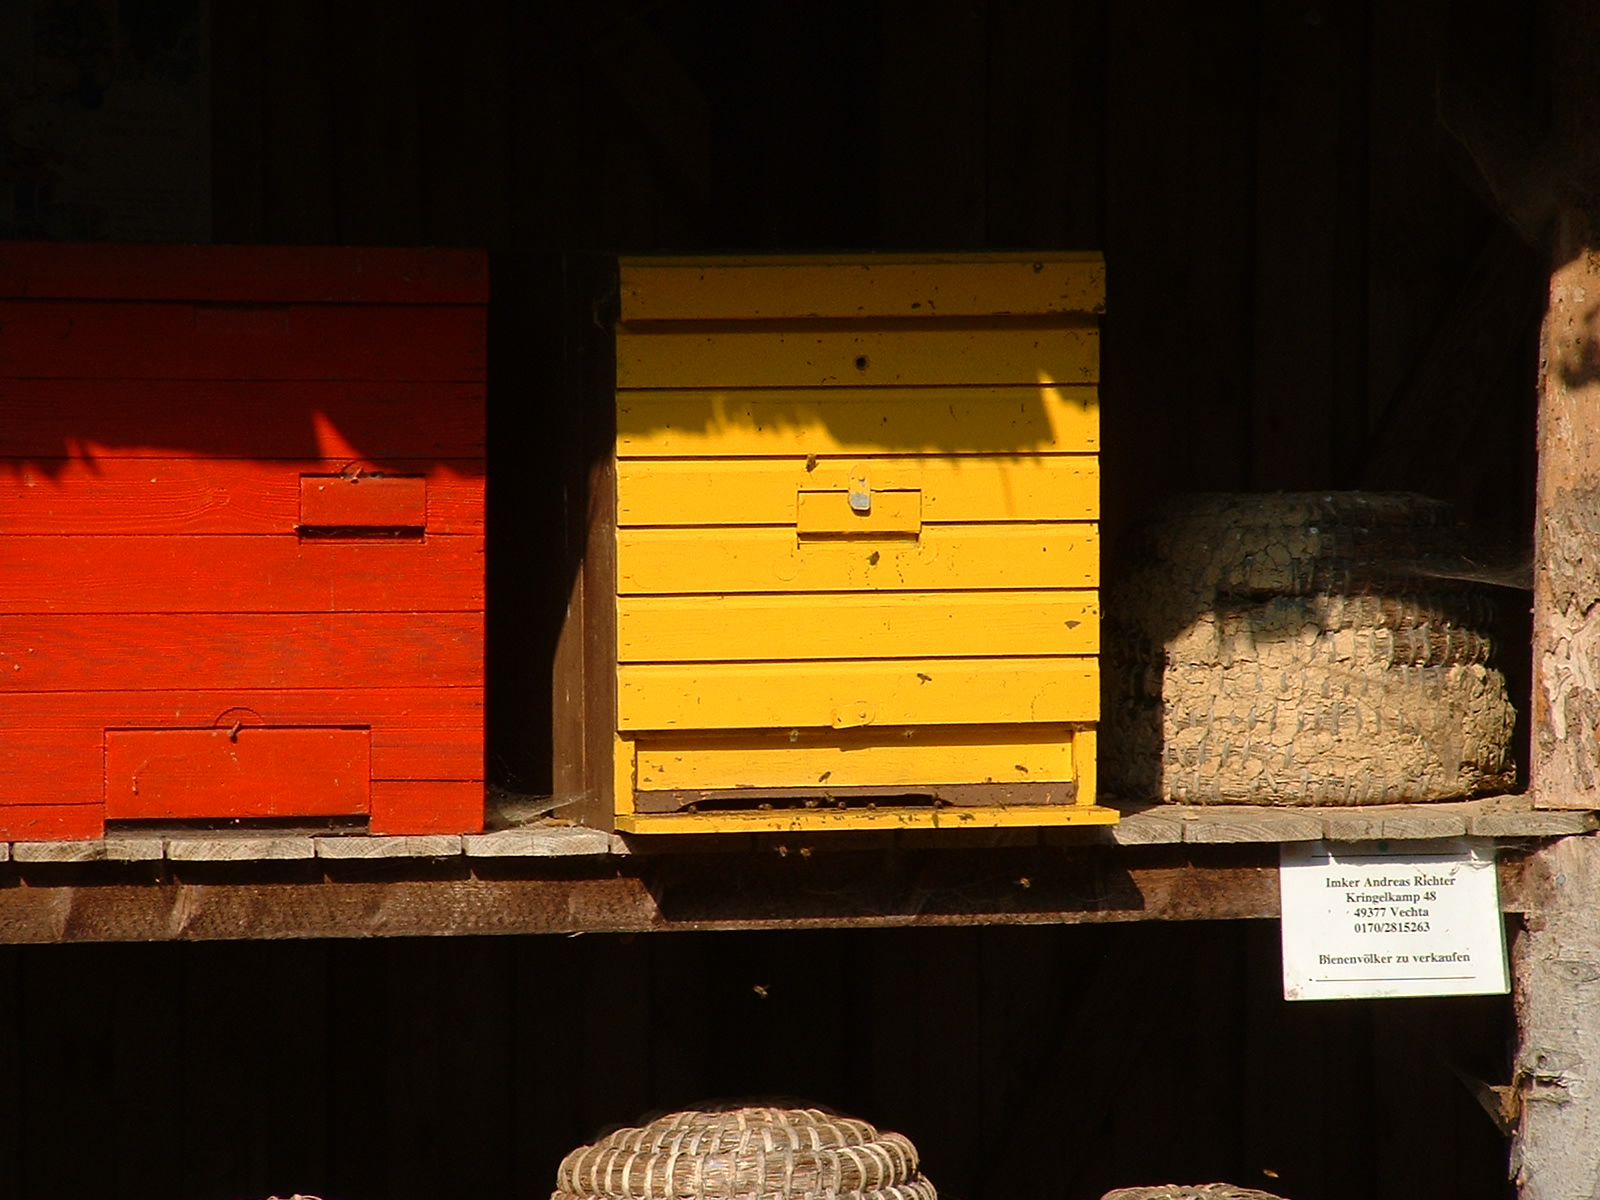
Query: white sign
[{"x": 1366, "y": 920}]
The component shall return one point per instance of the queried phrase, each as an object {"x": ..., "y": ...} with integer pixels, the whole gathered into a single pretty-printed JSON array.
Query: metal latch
[{"x": 860, "y": 493}]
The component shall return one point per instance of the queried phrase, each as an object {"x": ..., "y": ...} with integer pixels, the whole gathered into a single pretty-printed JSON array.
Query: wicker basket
[
  {"x": 745, "y": 1154},
  {"x": 1199, "y": 1191}
]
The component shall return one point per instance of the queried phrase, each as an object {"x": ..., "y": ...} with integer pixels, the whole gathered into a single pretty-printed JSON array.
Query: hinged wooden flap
[
  {"x": 860, "y": 512},
  {"x": 245, "y": 771},
  {"x": 363, "y": 502}
]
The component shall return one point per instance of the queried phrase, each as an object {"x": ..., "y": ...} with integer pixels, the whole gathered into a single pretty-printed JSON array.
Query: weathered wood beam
[
  {"x": 101, "y": 902},
  {"x": 1566, "y": 596},
  {"x": 793, "y": 889}
]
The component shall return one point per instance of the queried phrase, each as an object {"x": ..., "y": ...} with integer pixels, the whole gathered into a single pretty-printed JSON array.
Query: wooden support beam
[
  {"x": 772, "y": 888},
  {"x": 1566, "y": 595},
  {"x": 1556, "y": 971},
  {"x": 793, "y": 888}
]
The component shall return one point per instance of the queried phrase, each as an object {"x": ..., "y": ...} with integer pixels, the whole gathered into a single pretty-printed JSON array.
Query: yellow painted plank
[
  {"x": 770, "y": 559},
  {"x": 763, "y": 491},
  {"x": 1038, "y": 754},
  {"x": 789, "y": 695},
  {"x": 1020, "y": 421},
  {"x": 856, "y": 625},
  {"x": 860, "y": 286},
  {"x": 693, "y": 356},
  {"x": 823, "y": 820},
  {"x": 1085, "y": 761},
  {"x": 832, "y": 513}
]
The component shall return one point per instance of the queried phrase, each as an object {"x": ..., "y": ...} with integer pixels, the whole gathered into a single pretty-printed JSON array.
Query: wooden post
[
  {"x": 1556, "y": 964},
  {"x": 1566, "y": 599},
  {"x": 1556, "y": 968},
  {"x": 1556, "y": 961}
]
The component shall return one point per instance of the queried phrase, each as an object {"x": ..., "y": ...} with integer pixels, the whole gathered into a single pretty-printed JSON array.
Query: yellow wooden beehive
[{"x": 850, "y": 533}]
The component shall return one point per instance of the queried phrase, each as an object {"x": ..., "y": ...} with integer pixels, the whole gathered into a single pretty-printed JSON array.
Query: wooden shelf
[{"x": 1166, "y": 863}]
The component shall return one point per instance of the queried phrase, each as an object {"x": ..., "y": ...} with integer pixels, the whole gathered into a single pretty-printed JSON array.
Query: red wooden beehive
[{"x": 241, "y": 536}]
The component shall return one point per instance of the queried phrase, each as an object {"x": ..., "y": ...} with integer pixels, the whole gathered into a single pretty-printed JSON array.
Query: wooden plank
[
  {"x": 763, "y": 491},
  {"x": 363, "y": 501},
  {"x": 1244, "y": 824},
  {"x": 47, "y": 766},
  {"x": 302, "y": 420},
  {"x": 770, "y": 560},
  {"x": 1026, "y": 421},
  {"x": 417, "y": 733},
  {"x": 881, "y": 625},
  {"x": 791, "y": 695},
  {"x": 551, "y": 841},
  {"x": 206, "y": 495},
  {"x": 93, "y": 850},
  {"x": 911, "y": 811},
  {"x": 242, "y": 848},
  {"x": 227, "y": 573},
  {"x": 258, "y": 274},
  {"x": 1025, "y": 820},
  {"x": 364, "y": 847},
  {"x": 678, "y": 891},
  {"x": 716, "y": 356},
  {"x": 56, "y": 339},
  {"x": 52, "y": 822},
  {"x": 860, "y": 286},
  {"x": 43, "y": 765},
  {"x": 119, "y": 651},
  {"x": 423, "y": 806},
  {"x": 985, "y": 755},
  {"x": 252, "y": 771}
]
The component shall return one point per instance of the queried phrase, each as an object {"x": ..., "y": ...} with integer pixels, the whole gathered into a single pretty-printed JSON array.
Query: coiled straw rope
[{"x": 745, "y": 1154}]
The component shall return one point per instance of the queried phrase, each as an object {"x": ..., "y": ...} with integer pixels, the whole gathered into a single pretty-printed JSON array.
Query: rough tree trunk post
[
  {"x": 1556, "y": 963},
  {"x": 1566, "y": 598}
]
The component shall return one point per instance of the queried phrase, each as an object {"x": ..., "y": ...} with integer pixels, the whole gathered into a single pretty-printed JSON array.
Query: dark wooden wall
[
  {"x": 1309, "y": 284},
  {"x": 1051, "y": 1063}
]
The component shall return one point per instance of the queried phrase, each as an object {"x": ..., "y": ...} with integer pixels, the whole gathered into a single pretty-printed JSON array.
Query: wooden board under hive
[
  {"x": 241, "y": 536},
  {"x": 841, "y": 561}
]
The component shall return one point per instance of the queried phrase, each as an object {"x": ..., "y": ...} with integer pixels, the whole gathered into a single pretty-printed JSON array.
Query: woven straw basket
[
  {"x": 1200, "y": 1191},
  {"x": 745, "y": 1154}
]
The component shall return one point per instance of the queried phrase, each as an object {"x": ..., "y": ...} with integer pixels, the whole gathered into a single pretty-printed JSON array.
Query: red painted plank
[
  {"x": 226, "y": 573},
  {"x": 53, "y": 765},
  {"x": 363, "y": 501},
  {"x": 337, "y": 274},
  {"x": 58, "y": 339},
  {"x": 249, "y": 772},
  {"x": 50, "y": 742},
  {"x": 428, "y": 806},
  {"x": 52, "y": 822},
  {"x": 97, "y": 419},
  {"x": 196, "y": 496},
  {"x": 118, "y": 652}
]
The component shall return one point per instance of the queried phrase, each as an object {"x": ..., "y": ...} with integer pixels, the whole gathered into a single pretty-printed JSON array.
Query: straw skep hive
[
  {"x": 1305, "y": 648},
  {"x": 745, "y": 1154},
  {"x": 1201, "y": 1191}
]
